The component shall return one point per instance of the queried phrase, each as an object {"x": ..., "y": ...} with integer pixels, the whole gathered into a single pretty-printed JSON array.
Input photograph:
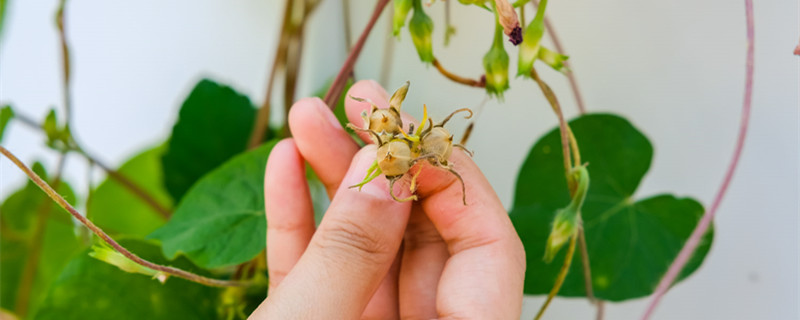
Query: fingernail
[
  {"x": 327, "y": 114},
  {"x": 379, "y": 89}
]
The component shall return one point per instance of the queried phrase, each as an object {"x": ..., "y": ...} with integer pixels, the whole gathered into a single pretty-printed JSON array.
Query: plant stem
[
  {"x": 116, "y": 175},
  {"x": 348, "y": 37},
  {"x": 567, "y": 65},
  {"x": 262, "y": 118},
  {"x": 560, "y": 279},
  {"x": 569, "y": 142},
  {"x": 134, "y": 188},
  {"x": 103, "y": 235},
  {"x": 480, "y": 83},
  {"x": 702, "y": 226},
  {"x": 587, "y": 274},
  {"x": 388, "y": 52},
  {"x": 335, "y": 91},
  {"x": 563, "y": 126},
  {"x": 65, "y": 58},
  {"x": 35, "y": 250}
]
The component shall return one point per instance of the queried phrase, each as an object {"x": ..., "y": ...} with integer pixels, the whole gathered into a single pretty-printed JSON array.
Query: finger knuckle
[{"x": 346, "y": 239}]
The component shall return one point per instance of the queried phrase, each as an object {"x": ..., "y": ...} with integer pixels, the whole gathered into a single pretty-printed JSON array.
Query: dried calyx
[{"x": 399, "y": 151}]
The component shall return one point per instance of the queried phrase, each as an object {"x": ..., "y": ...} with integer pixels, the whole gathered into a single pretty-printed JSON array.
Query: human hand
[{"x": 373, "y": 257}]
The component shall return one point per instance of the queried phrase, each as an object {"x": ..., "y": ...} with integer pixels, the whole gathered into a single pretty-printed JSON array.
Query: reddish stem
[
  {"x": 337, "y": 86},
  {"x": 694, "y": 240}
]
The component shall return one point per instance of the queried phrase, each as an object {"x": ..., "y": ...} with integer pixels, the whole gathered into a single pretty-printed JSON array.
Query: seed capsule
[
  {"x": 438, "y": 142},
  {"x": 394, "y": 158}
]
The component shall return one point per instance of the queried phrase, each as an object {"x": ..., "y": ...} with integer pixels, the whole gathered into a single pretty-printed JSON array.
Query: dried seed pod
[
  {"x": 385, "y": 122},
  {"x": 394, "y": 158},
  {"x": 437, "y": 145}
]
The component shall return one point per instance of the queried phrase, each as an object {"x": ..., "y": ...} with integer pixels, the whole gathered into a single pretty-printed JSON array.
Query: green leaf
[
  {"x": 220, "y": 222},
  {"x": 3, "y": 6},
  {"x": 117, "y": 210},
  {"x": 5, "y": 114},
  {"x": 630, "y": 243},
  {"x": 19, "y": 216},
  {"x": 92, "y": 289},
  {"x": 214, "y": 124}
]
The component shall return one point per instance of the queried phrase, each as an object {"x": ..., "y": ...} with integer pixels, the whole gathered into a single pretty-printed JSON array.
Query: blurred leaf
[
  {"x": 6, "y": 113},
  {"x": 19, "y": 215},
  {"x": 214, "y": 124},
  {"x": 115, "y": 209},
  {"x": 92, "y": 289},
  {"x": 631, "y": 243},
  {"x": 220, "y": 222},
  {"x": 3, "y": 13}
]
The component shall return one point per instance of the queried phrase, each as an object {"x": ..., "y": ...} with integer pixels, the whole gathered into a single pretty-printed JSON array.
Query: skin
[{"x": 372, "y": 257}]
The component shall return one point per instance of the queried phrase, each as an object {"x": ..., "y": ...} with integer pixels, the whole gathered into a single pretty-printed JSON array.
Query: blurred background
[{"x": 675, "y": 69}]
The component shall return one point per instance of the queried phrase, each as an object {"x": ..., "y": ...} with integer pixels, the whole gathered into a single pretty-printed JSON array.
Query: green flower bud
[
  {"x": 568, "y": 220},
  {"x": 112, "y": 257},
  {"x": 553, "y": 59},
  {"x": 529, "y": 49},
  {"x": 495, "y": 64},
  {"x": 421, "y": 28},
  {"x": 401, "y": 9}
]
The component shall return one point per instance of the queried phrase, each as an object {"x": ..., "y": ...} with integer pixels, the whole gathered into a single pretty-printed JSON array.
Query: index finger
[{"x": 486, "y": 269}]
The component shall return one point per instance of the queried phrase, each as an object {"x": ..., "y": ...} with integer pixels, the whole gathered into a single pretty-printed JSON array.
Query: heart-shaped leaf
[
  {"x": 630, "y": 243},
  {"x": 214, "y": 124},
  {"x": 221, "y": 222},
  {"x": 118, "y": 211},
  {"x": 92, "y": 289}
]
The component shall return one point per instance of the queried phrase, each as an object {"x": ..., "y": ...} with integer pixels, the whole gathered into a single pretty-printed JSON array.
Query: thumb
[{"x": 350, "y": 253}]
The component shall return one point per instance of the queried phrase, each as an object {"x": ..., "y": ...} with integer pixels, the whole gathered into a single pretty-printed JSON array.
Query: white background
[{"x": 673, "y": 68}]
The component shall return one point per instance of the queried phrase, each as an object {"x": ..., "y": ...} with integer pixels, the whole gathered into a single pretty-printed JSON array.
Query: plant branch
[
  {"x": 567, "y": 65},
  {"x": 480, "y": 83},
  {"x": 702, "y": 226},
  {"x": 262, "y": 118},
  {"x": 335, "y": 91},
  {"x": 348, "y": 37},
  {"x": 560, "y": 279},
  {"x": 134, "y": 188},
  {"x": 65, "y": 60},
  {"x": 563, "y": 126},
  {"x": 116, "y": 175},
  {"x": 569, "y": 142},
  {"x": 388, "y": 53},
  {"x": 103, "y": 235},
  {"x": 35, "y": 250}
]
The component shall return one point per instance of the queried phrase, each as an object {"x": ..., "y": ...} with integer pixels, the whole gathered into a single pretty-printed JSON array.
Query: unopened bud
[
  {"x": 508, "y": 19},
  {"x": 401, "y": 9},
  {"x": 567, "y": 221},
  {"x": 553, "y": 59},
  {"x": 529, "y": 50},
  {"x": 421, "y": 28},
  {"x": 495, "y": 64},
  {"x": 112, "y": 257}
]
